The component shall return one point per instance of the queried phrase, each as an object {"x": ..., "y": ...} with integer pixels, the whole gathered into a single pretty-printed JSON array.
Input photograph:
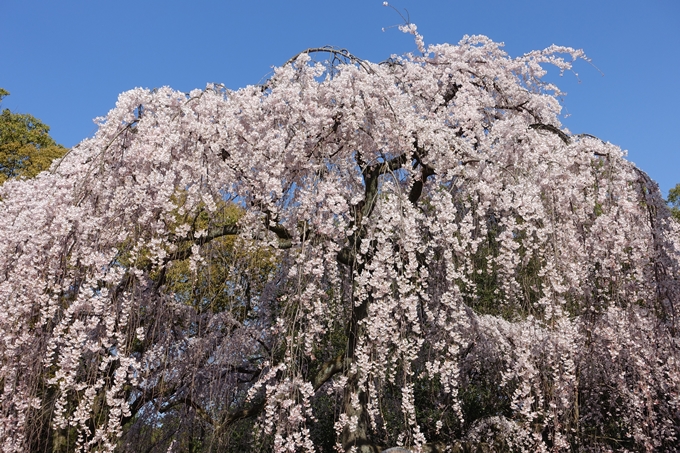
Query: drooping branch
[
  {"x": 550, "y": 128},
  {"x": 184, "y": 253},
  {"x": 342, "y": 54},
  {"x": 330, "y": 369},
  {"x": 285, "y": 239},
  {"x": 252, "y": 410},
  {"x": 326, "y": 371},
  {"x": 186, "y": 400}
]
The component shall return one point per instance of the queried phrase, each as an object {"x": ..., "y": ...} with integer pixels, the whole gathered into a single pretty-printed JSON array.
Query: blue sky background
[{"x": 66, "y": 61}]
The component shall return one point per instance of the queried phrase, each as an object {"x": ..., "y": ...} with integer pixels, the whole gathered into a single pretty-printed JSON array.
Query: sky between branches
[{"x": 66, "y": 62}]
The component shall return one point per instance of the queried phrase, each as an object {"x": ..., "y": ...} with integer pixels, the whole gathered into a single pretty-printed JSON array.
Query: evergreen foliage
[{"x": 26, "y": 147}]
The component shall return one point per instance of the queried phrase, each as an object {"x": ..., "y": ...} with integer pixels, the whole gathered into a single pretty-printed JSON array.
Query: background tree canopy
[
  {"x": 349, "y": 257},
  {"x": 26, "y": 147},
  {"x": 674, "y": 201}
]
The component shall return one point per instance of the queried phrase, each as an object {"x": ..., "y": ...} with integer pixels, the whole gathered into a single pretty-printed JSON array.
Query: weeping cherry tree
[{"x": 350, "y": 257}]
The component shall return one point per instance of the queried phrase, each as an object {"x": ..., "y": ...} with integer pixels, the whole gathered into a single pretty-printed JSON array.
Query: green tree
[
  {"x": 674, "y": 201},
  {"x": 26, "y": 147}
]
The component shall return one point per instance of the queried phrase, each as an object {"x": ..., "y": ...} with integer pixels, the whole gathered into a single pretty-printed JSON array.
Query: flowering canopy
[{"x": 351, "y": 256}]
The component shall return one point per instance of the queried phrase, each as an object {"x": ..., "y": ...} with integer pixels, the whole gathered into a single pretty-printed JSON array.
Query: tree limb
[
  {"x": 330, "y": 369},
  {"x": 550, "y": 128}
]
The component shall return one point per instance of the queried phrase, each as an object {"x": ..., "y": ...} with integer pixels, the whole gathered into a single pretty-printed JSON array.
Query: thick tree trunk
[{"x": 359, "y": 437}]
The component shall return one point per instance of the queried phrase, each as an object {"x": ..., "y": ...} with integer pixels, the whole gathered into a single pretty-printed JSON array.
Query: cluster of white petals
[{"x": 420, "y": 252}]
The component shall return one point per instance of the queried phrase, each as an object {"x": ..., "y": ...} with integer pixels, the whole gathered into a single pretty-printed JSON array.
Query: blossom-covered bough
[{"x": 352, "y": 256}]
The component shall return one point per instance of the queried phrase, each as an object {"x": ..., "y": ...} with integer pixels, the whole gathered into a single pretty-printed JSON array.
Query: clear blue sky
[{"x": 66, "y": 61}]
